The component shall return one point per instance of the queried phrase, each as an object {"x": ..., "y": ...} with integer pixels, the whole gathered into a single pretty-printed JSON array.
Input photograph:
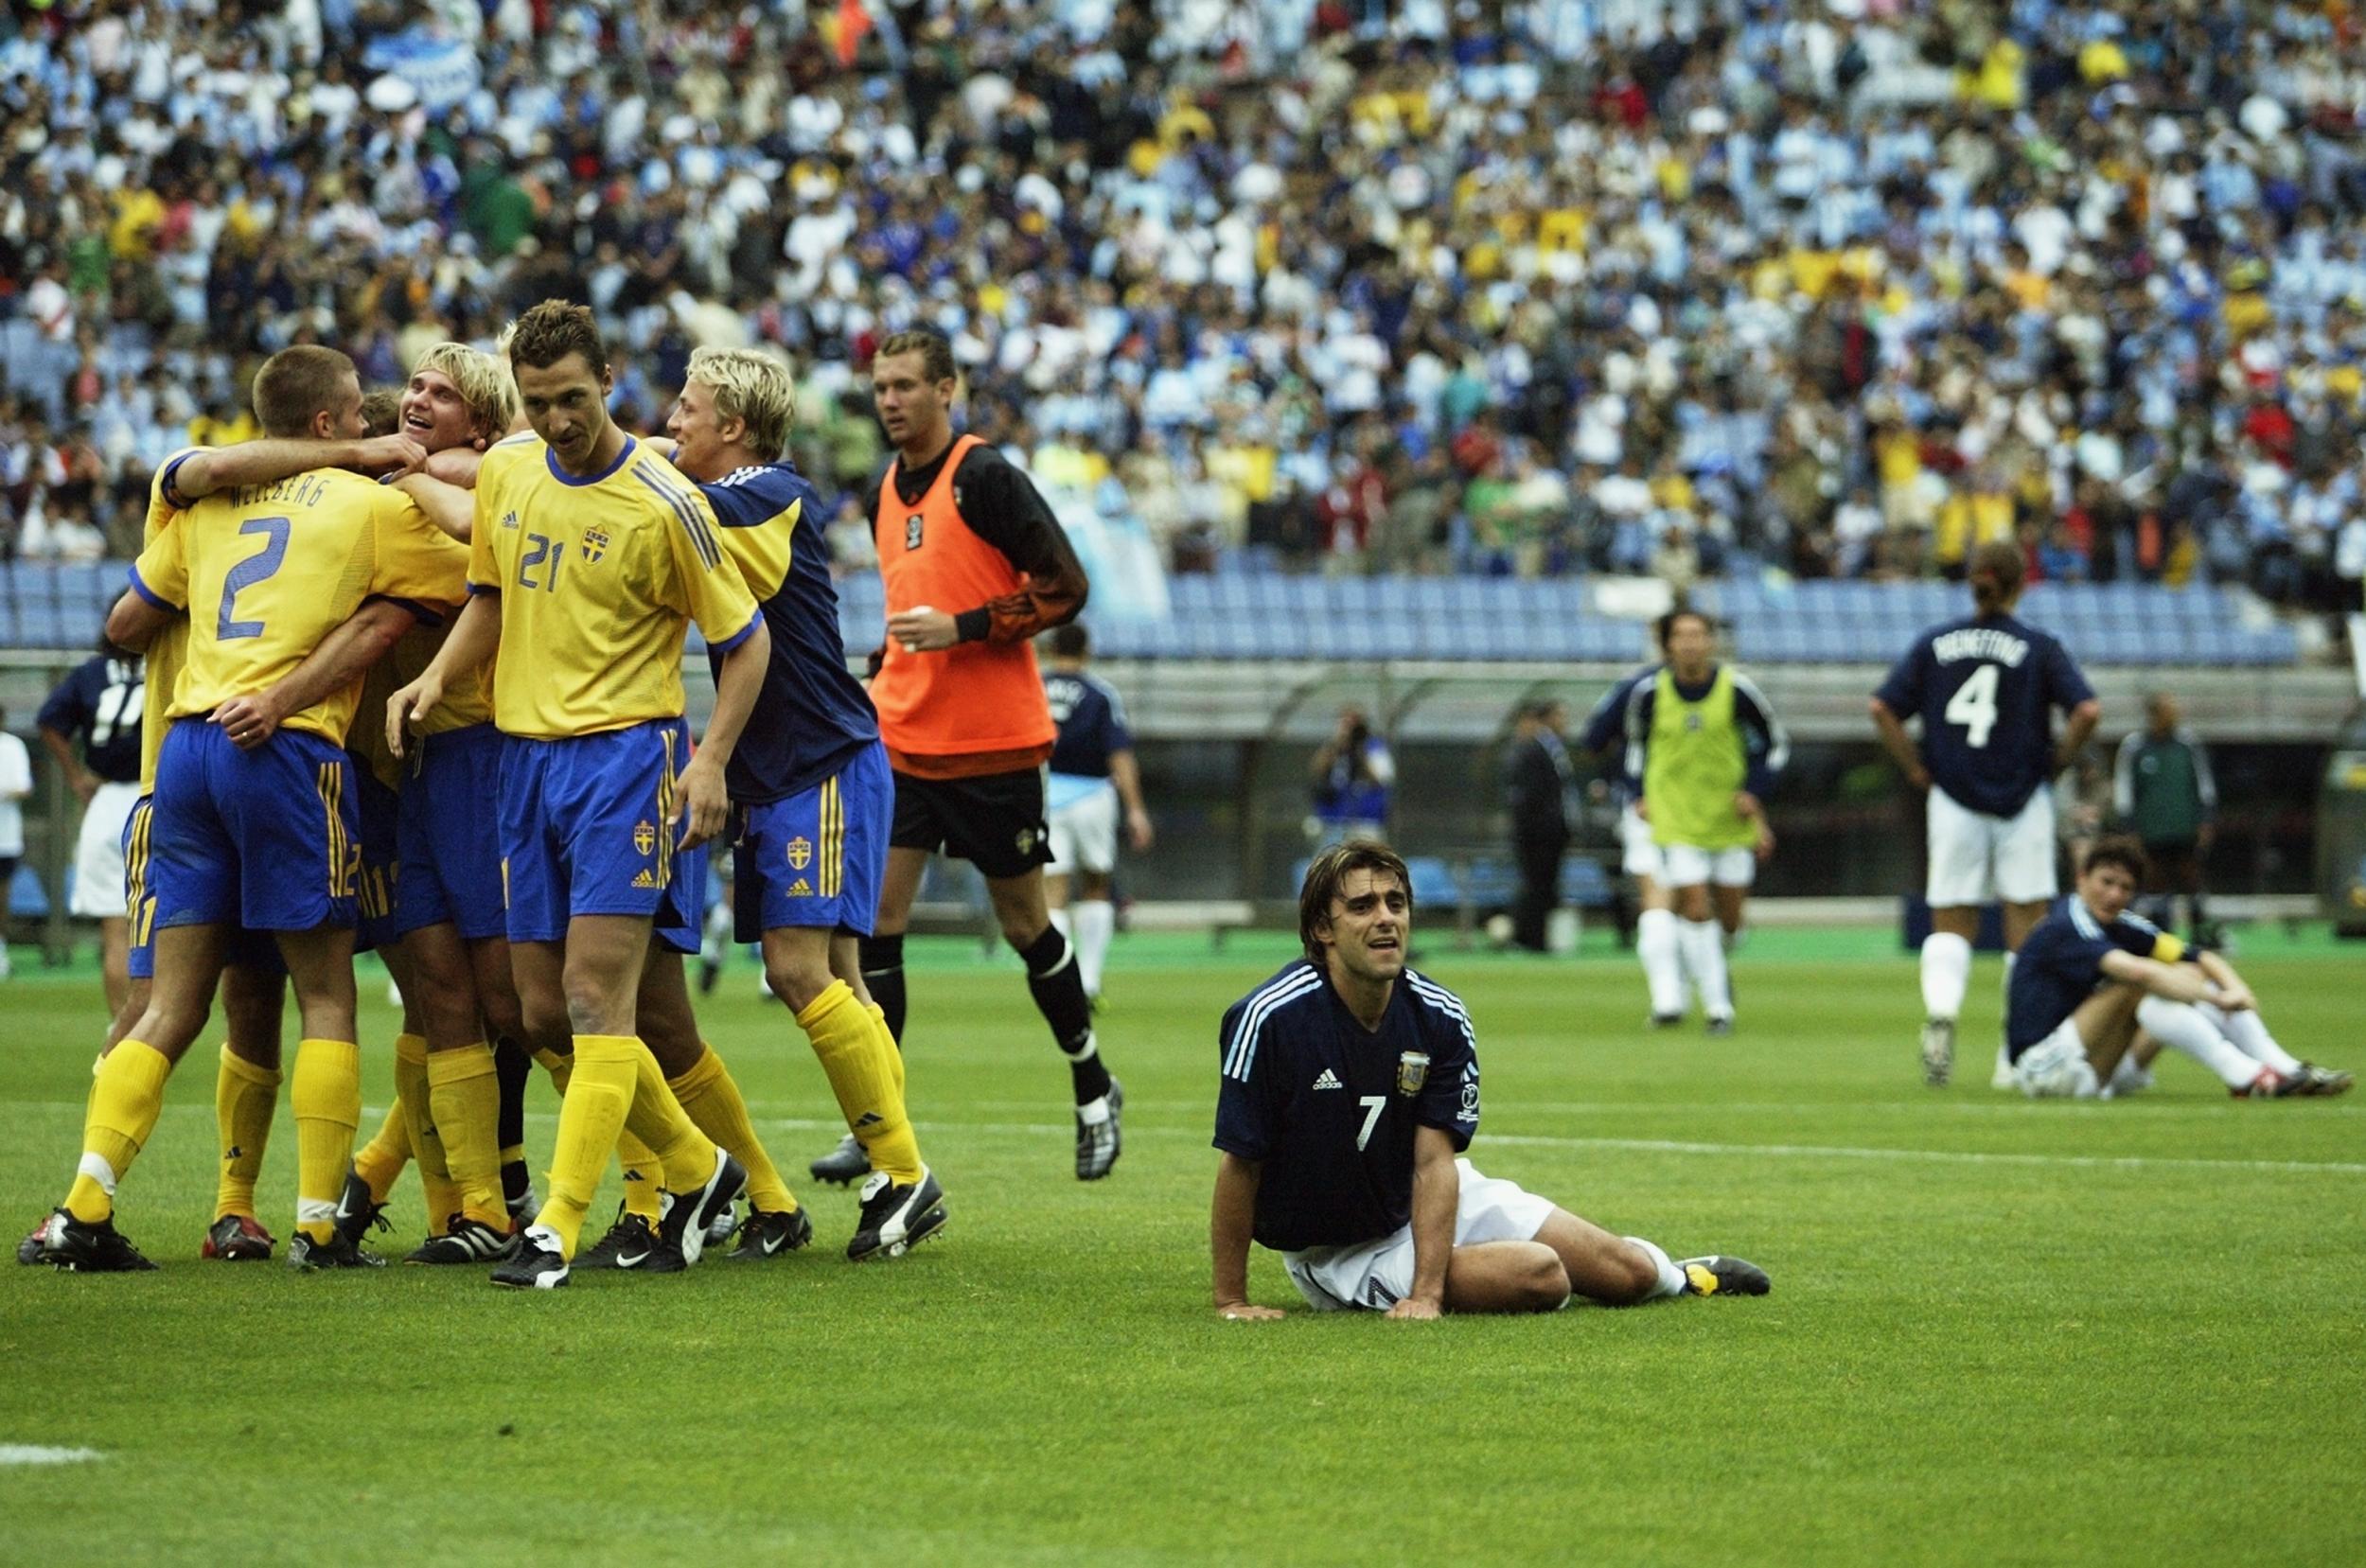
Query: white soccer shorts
[
  {"x": 1640, "y": 849},
  {"x": 1683, "y": 866},
  {"x": 98, "y": 852},
  {"x": 2057, "y": 1067},
  {"x": 1378, "y": 1274},
  {"x": 1976, "y": 857},
  {"x": 1084, "y": 835}
]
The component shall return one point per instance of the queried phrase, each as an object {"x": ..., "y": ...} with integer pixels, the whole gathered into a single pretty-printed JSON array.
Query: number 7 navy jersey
[
  {"x": 1329, "y": 1108},
  {"x": 1986, "y": 688}
]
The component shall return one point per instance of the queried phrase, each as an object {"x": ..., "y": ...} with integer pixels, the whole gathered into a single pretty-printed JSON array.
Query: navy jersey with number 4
[
  {"x": 102, "y": 700},
  {"x": 2061, "y": 963},
  {"x": 1329, "y": 1109},
  {"x": 1986, "y": 689},
  {"x": 812, "y": 715}
]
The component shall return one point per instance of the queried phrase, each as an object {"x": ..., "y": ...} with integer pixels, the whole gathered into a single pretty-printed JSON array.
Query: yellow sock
[
  {"x": 467, "y": 1094},
  {"x": 879, "y": 1016},
  {"x": 325, "y": 1091},
  {"x": 125, "y": 1102},
  {"x": 657, "y": 1120},
  {"x": 866, "y": 1072},
  {"x": 712, "y": 1098},
  {"x": 644, "y": 1176},
  {"x": 244, "y": 1098},
  {"x": 415, "y": 1099},
  {"x": 597, "y": 1100},
  {"x": 381, "y": 1161}
]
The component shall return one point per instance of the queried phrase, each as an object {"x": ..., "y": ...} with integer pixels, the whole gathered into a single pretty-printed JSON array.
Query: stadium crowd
[{"x": 1680, "y": 287}]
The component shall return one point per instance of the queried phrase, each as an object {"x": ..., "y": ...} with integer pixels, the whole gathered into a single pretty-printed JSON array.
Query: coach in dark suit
[{"x": 1537, "y": 777}]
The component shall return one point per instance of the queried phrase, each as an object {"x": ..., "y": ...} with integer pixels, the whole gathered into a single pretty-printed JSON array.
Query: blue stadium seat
[
  {"x": 1433, "y": 882},
  {"x": 1584, "y": 883},
  {"x": 27, "y": 901}
]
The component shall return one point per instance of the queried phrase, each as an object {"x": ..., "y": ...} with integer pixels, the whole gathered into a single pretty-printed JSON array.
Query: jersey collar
[{"x": 550, "y": 460}]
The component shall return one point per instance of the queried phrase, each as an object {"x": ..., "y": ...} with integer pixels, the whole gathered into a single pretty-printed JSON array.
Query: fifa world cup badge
[
  {"x": 1412, "y": 1072},
  {"x": 911, "y": 532}
]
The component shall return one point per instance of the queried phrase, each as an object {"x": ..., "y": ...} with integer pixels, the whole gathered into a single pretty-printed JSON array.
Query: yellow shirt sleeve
[
  {"x": 483, "y": 570},
  {"x": 161, "y": 576},
  {"x": 417, "y": 562},
  {"x": 708, "y": 585}
]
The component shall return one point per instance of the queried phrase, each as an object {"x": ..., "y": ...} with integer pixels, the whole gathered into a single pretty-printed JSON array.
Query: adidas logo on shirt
[{"x": 1328, "y": 1080}]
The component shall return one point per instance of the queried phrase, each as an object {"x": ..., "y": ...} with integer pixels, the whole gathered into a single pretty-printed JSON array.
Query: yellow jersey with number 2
[{"x": 266, "y": 571}]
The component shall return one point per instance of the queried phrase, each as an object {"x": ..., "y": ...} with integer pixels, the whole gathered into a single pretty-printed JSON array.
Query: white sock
[
  {"x": 1946, "y": 974},
  {"x": 1671, "y": 1278},
  {"x": 2001, "y": 1079},
  {"x": 716, "y": 940},
  {"x": 1655, "y": 945},
  {"x": 1096, "y": 919},
  {"x": 2250, "y": 1033},
  {"x": 2128, "y": 1077},
  {"x": 1704, "y": 956},
  {"x": 2184, "y": 1028},
  {"x": 1060, "y": 921}
]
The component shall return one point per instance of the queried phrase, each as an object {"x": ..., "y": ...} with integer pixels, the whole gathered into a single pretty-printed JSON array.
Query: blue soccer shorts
[
  {"x": 267, "y": 838},
  {"x": 139, "y": 899},
  {"x": 816, "y": 859},
  {"x": 451, "y": 845},
  {"x": 381, "y": 862},
  {"x": 584, "y": 832}
]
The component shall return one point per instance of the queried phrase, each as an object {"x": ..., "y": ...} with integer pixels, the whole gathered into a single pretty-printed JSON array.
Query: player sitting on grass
[
  {"x": 1350, "y": 1083},
  {"x": 2092, "y": 975}
]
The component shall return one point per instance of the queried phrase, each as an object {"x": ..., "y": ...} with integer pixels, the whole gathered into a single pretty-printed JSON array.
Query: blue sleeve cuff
[
  {"x": 171, "y": 492},
  {"x": 485, "y": 587},
  {"x": 150, "y": 594},
  {"x": 741, "y": 636},
  {"x": 420, "y": 612}
]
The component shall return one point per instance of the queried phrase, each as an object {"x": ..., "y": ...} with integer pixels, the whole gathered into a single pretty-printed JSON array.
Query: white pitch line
[
  {"x": 1670, "y": 1146},
  {"x": 36, "y": 1454}
]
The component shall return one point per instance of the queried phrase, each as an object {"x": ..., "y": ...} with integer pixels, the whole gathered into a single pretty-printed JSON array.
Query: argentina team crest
[
  {"x": 594, "y": 543},
  {"x": 800, "y": 853},
  {"x": 644, "y": 837},
  {"x": 911, "y": 532},
  {"x": 1412, "y": 1072}
]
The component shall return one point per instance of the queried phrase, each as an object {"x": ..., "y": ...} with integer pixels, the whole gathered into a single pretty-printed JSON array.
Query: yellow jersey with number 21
[{"x": 599, "y": 577}]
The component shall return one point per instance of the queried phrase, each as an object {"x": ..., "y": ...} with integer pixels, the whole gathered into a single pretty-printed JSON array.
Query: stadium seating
[{"x": 1246, "y": 615}]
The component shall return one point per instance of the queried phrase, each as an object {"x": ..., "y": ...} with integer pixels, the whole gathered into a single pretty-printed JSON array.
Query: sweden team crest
[
  {"x": 644, "y": 837},
  {"x": 800, "y": 853},
  {"x": 594, "y": 543},
  {"x": 1412, "y": 1072}
]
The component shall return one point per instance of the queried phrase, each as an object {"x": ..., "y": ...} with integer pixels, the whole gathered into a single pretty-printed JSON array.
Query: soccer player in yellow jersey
[
  {"x": 431, "y": 893},
  {"x": 591, "y": 554},
  {"x": 253, "y": 979},
  {"x": 259, "y": 838}
]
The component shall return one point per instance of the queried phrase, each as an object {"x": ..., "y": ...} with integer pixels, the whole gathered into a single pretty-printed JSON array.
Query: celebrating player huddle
[{"x": 538, "y": 628}]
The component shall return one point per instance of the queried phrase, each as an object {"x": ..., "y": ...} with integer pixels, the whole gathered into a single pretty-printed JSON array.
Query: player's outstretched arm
[
  {"x": 1437, "y": 1187},
  {"x": 701, "y": 801},
  {"x": 1126, "y": 773},
  {"x": 450, "y": 507},
  {"x": 1230, "y": 1220},
  {"x": 475, "y": 638},
  {"x": 210, "y": 469},
  {"x": 1900, "y": 745},
  {"x": 342, "y": 658}
]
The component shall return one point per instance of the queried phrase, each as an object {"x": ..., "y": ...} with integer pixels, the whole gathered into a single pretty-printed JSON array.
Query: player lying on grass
[
  {"x": 1350, "y": 1083},
  {"x": 2094, "y": 979}
]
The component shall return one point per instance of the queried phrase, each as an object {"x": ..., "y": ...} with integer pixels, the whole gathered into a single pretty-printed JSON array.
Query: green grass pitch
[{"x": 2000, "y": 1333}]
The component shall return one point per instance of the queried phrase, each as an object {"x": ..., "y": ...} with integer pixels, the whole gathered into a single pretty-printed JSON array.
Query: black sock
[
  {"x": 1059, "y": 992},
  {"x": 512, "y": 1067},
  {"x": 882, "y": 960}
]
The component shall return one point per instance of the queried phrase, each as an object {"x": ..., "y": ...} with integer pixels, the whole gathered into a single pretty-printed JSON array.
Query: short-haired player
[
  {"x": 2098, "y": 988},
  {"x": 1349, "y": 1088}
]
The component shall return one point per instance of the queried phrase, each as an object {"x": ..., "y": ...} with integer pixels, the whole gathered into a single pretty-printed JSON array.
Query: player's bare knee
[
  {"x": 1545, "y": 1284},
  {"x": 798, "y": 982}
]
